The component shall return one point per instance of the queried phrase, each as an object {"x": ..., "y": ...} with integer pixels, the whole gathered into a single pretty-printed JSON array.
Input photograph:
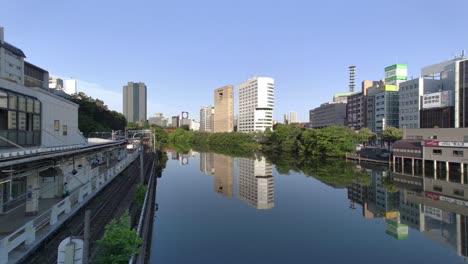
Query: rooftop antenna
[{"x": 462, "y": 54}]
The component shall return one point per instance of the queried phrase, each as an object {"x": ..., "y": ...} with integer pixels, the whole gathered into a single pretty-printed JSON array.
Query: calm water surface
[{"x": 218, "y": 209}]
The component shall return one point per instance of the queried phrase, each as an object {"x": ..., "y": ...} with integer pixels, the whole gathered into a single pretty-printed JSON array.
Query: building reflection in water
[
  {"x": 207, "y": 163},
  {"x": 435, "y": 207},
  {"x": 224, "y": 175},
  {"x": 255, "y": 182}
]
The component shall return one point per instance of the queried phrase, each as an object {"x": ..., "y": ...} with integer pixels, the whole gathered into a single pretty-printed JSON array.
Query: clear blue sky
[{"x": 183, "y": 50}]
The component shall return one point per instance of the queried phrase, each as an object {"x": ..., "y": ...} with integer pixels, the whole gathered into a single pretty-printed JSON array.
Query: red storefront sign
[
  {"x": 431, "y": 143},
  {"x": 433, "y": 196}
]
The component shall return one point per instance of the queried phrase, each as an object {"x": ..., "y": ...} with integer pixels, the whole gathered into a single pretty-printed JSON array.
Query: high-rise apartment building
[
  {"x": 134, "y": 102},
  {"x": 293, "y": 118},
  {"x": 255, "y": 182},
  {"x": 224, "y": 109},
  {"x": 255, "y": 104},
  {"x": 207, "y": 119}
]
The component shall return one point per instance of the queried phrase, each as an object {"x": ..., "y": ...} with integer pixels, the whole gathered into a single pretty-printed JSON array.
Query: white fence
[{"x": 48, "y": 220}]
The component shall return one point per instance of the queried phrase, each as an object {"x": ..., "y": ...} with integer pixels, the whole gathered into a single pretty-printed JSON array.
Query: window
[
  {"x": 12, "y": 121},
  {"x": 36, "y": 122},
  {"x": 3, "y": 100},
  {"x": 458, "y": 192},
  {"x": 437, "y": 188},
  {"x": 458, "y": 153},
  {"x": 65, "y": 131},
  {"x": 21, "y": 103},
  {"x": 434, "y": 137},
  {"x": 56, "y": 125},
  {"x": 437, "y": 151},
  {"x": 37, "y": 106},
  {"x": 21, "y": 121},
  {"x": 30, "y": 105},
  {"x": 12, "y": 101}
]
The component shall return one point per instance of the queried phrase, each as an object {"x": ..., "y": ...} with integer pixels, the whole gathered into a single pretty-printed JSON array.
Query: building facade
[
  {"x": 410, "y": 104},
  {"x": 256, "y": 104},
  {"x": 356, "y": 108},
  {"x": 134, "y": 102},
  {"x": 382, "y": 107},
  {"x": 11, "y": 61},
  {"x": 328, "y": 114},
  {"x": 293, "y": 118},
  {"x": 453, "y": 77},
  {"x": 224, "y": 109},
  {"x": 207, "y": 119},
  {"x": 175, "y": 121}
]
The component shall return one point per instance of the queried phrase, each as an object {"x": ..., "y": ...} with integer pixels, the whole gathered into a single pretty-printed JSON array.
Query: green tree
[
  {"x": 94, "y": 115},
  {"x": 392, "y": 134},
  {"x": 119, "y": 242},
  {"x": 364, "y": 135}
]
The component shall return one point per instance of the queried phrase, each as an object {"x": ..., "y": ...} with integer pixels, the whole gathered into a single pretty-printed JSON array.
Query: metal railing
[{"x": 59, "y": 212}]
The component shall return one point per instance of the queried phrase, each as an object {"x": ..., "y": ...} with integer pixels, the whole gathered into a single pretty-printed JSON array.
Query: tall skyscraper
[
  {"x": 293, "y": 118},
  {"x": 286, "y": 119},
  {"x": 255, "y": 104},
  {"x": 255, "y": 182},
  {"x": 134, "y": 102},
  {"x": 71, "y": 86},
  {"x": 224, "y": 109},
  {"x": 207, "y": 118}
]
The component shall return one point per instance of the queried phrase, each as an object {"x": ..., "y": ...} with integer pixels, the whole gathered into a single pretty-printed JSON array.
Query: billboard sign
[
  {"x": 437, "y": 100},
  {"x": 395, "y": 73}
]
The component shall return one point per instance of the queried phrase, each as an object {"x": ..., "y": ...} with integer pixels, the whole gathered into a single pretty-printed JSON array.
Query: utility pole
[{"x": 86, "y": 236}]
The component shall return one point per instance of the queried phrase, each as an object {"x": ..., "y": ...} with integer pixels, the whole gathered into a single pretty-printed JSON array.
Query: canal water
[{"x": 219, "y": 209}]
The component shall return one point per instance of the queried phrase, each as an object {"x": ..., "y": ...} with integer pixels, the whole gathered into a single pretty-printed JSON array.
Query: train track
[{"x": 102, "y": 207}]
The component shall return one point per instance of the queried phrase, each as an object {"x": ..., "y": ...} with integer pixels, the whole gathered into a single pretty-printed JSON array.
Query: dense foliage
[
  {"x": 94, "y": 116},
  {"x": 333, "y": 141},
  {"x": 140, "y": 195},
  {"x": 119, "y": 242},
  {"x": 392, "y": 134},
  {"x": 329, "y": 141}
]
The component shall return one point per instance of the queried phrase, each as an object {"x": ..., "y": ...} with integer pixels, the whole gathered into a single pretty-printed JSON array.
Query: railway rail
[{"x": 102, "y": 207}]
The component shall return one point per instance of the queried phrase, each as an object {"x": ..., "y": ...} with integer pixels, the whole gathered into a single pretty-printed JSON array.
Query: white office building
[
  {"x": 293, "y": 118},
  {"x": 255, "y": 105},
  {"x": 70, "y": 87},
  {"x": 207, "y": 119}
]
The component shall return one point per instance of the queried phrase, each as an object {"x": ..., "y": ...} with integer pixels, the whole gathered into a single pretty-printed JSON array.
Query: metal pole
[
  {"x": 142, "y": 178},
  {"x": 86, "y": 236}
]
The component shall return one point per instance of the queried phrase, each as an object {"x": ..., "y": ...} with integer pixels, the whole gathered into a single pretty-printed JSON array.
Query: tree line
[{"x": 333, "y": 141}]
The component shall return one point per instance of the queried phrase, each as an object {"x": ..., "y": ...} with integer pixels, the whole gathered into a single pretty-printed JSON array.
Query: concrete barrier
[
  {"x": 26, "y": 235},
  {"x": 62, "y": 207}
]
